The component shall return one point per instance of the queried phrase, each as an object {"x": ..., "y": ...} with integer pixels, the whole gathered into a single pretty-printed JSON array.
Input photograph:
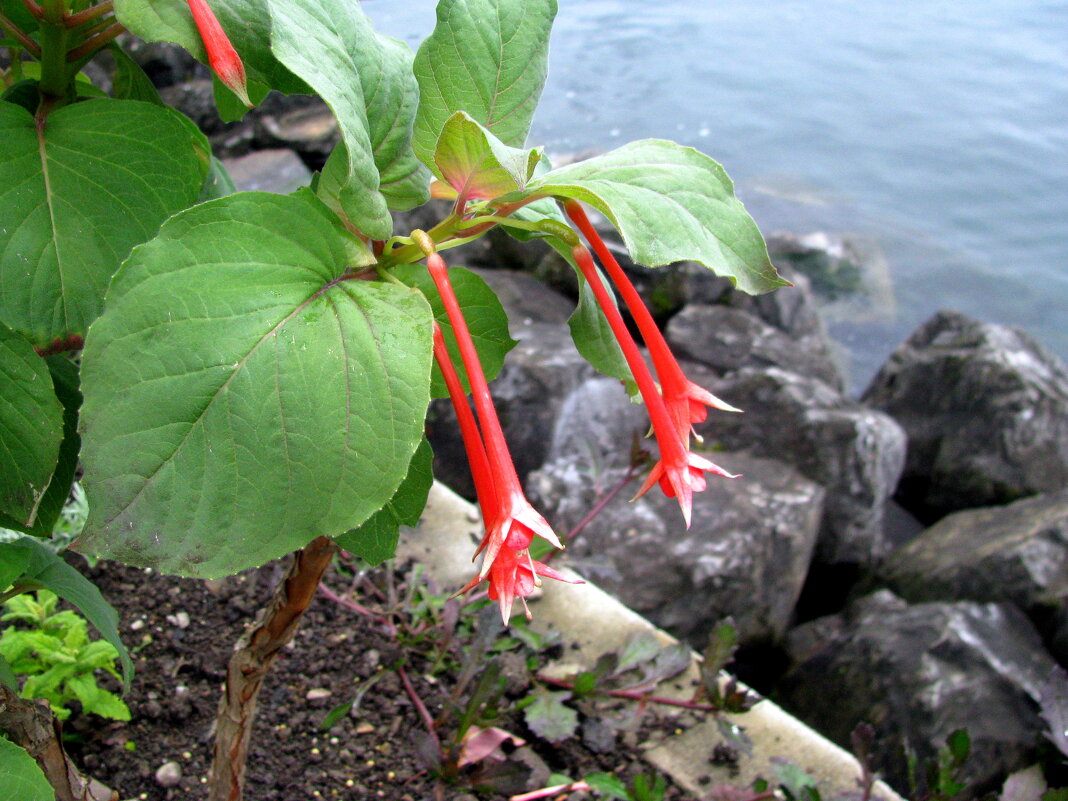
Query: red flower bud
[{"x": 221, "y": 54}]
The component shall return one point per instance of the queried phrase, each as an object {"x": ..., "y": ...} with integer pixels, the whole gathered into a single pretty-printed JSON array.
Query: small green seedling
[{"x": 57, "y": 657}]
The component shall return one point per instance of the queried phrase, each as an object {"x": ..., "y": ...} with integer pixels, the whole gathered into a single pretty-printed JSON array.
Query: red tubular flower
[
  {"x": 221, "y": 54},
  {"x": 686, "y": 401},
  {"x": 476, "y": 451},
  {"x": 514, "y": 574},
  {"x": 516, "y": 522},
  {"x": 679, "y": 472}
]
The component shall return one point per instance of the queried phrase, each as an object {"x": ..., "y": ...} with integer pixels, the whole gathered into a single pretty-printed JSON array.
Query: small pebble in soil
[
  {"x": 317, "y": 694},
  {"x": 169, "y": 774},
  {"x": 179, "y": 619}
]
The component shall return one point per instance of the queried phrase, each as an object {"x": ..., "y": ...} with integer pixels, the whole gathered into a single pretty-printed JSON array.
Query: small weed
[{"x": 54, "y": 653}]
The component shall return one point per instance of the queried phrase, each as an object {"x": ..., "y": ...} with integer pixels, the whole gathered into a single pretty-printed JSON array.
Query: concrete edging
[{"x": 592, "y": 622}]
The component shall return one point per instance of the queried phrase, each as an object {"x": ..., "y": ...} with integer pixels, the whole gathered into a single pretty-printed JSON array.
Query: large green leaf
[
  {"x": 31, "y": 427},
  {"x": 392, "y": 97},
  {"x": 376, "y": 540},
  {"x": 477, "y": 164},
  {"x": 65, "y": 378},
  {"x": 247, "y": 24},
  {"x": 367, "y": 81},
  {"x": 670, "y": 203},
  {"x": 76, "y": 195},
  {"x": 243, "y": 393},
  {"x": 45, "y": 569},
  {"x": 488, "y": 58},
  {"x": 486, "y": 320},
  {"x": 20, "y": 777}
]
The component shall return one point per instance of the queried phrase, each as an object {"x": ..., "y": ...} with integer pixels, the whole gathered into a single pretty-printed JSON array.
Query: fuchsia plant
[{"x": 256, "y": 367}]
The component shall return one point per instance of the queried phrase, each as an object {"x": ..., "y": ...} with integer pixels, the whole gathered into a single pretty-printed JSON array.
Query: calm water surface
[{"x": 936, "y": 128}]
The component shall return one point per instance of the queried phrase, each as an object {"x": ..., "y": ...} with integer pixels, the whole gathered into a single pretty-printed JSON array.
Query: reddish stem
[
  {"x": 417, "y": 702},
  {"x": 634, "y": 695},
  {"x": 91, "y": 13}
]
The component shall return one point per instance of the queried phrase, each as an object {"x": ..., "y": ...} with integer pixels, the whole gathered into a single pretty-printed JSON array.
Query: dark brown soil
[{"x": 370, "y": 753}]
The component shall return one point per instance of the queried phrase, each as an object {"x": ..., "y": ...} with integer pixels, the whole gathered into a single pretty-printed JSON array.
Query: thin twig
[
  {"x": 545, "y": 792},
  {"x": 89, "y": 47},
  {"x": 595, "y": 510},
  {"x": 417, "y": 702},
  {"x": 91, "y": 13},
  {"x": 633, "y": 695},
  {"x": 17, "y": 32}
]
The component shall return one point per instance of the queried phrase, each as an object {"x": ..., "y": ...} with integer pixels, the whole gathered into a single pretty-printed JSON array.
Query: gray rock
[
  {"x": 1015, "y": 553},
  {"x": 598, "y": 426},
  {"x": 856, "y": 453},
  {"x": 525, "y": 298},
  {"x": 727, "y": 339},
  {"x": 537, "y": 375},
  {"x": 169, "y": 774},
  {"x": 986, "y": 411},
  {"x": 279, "y": 171},
  {"x": 746, "y": 553},
  {"x": 918, "y": 673}
]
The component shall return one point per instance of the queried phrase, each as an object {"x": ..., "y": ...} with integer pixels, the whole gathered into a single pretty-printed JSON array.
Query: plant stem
[
  {"x": 32, "y": 725},
  {"x": 545, "y": 792},
  {"x": 417, "y": 702},
  {"x": 633, "y": 695},
  {"x": 20, "y": 36},
  {"x": 253, "y": 656},
  {"x": 90, "y": 46},
  {"x": 91, "y": 13}
]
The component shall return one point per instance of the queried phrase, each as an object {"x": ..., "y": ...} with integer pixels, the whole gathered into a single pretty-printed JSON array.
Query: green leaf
[
  {"x": 65, "y": 379},
  {"x": 20, "y": 778},
  {"x": 45, "y": 569},
  {"x": 366, "y": 79},
  {"x": 242, "y": 394},
  {"x": 31, "y": 427},
  {"x": 488, "y": 58},
  {"x": 129, "y": 81},
  {"x": 590, "y": 330},
  {"x": 232, "y": 108},
  {"x": 607, "y": 785},
  {"x": 477, "y": 164},
  {"x": 486, "y": 320},
  {"x": 639, "y": 648},
  {"x": 376, "y": 540},
  {"x": 218, "y": 182},
  {"x": 549, "y": 718},
  {"x": 13, "y": 562},
  {"x": 670, "y": 203},
  {"x": 7, "y": 676},
  {"x": 99, "y": 179}
]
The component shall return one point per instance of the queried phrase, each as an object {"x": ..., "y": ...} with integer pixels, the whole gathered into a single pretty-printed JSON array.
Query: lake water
[{"x": 936, "y": 129}]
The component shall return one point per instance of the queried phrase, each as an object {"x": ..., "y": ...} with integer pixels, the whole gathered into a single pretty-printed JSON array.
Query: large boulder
[
  {"x": 726, "y": 339},
  {"x": 918, "y": 673},
  {"x": 854, "y": 452},
  {"x": 745, "y": 555},
  {"x": 1015, "y": 553},
  {"x": 986, "y": 412}
]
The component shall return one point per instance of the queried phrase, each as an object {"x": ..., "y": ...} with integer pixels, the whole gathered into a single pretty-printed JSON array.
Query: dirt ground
[{"x": 181, "y": 632}]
